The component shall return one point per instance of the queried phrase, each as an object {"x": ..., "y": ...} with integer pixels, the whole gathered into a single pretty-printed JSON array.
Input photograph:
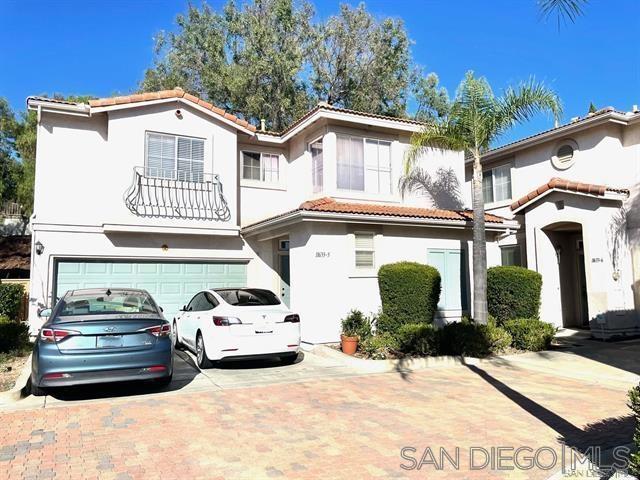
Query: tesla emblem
[
  {"x": 264, "y": 316},
  {"x": 110, "y": 329}
]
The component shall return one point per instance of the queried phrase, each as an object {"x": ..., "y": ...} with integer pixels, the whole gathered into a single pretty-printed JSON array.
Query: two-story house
[
  {"x": 167, "y": 192},
  {"x": 574, "y": 190}
]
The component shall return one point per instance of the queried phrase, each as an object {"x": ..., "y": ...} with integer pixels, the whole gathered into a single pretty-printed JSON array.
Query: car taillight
[
  {"x": 295, "y": 318},
  {"x": 53, "y": 335},
  {"x": 163, "y": 330},
  {"x": 226, "y": 321}
]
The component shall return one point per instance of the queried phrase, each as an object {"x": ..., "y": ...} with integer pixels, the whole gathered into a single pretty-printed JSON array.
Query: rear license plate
[
  {"x": 263, "y": 328},
  {"x": 109, "y": 341}
]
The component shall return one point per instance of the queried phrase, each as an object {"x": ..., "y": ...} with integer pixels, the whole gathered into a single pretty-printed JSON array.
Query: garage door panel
[{"x": 171, "y": 284}]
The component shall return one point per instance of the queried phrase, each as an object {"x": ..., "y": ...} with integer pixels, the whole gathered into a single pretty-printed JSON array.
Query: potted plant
[{"x": 353, "y": 326}]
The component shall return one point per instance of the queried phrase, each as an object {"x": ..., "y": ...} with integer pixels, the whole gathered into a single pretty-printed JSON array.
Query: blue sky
[{"x": 102, "y": 48}]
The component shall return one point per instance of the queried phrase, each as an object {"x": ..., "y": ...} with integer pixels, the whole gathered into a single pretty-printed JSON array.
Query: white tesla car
[{"x": 238, "y": 323}]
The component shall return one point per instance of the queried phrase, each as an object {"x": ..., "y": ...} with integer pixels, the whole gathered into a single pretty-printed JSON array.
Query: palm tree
[
  {"x": 566, "y": 10},
  {"x": 476, "y": 119}
]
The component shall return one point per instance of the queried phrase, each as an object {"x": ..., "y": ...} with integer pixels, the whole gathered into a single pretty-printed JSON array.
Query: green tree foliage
[
  {"x": 268, "y": 59},
  {"x": 10, "y": 168},
  {"x": 361, "y": 63}
]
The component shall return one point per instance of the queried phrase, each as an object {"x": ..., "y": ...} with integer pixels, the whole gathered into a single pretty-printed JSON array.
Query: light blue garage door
[{"x": 171, "y": 284}]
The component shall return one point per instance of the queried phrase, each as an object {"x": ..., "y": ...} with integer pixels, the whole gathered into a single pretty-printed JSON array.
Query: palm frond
[
  {"x": 444, "y": 135},
  {"x": 521, "y": 103},
  {"x": 563, "y": 10}
]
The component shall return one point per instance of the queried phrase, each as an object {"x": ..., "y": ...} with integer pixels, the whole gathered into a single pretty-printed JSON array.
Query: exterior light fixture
[{"x": 39, "y": 248}]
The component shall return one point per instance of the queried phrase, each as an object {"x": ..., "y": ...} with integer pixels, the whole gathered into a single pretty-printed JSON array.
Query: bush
[
  {"x": 409, "y": 292},
  {"x": 634, "y": 405},
  {"x": 11, "y": 295},
  {"x": 379, "y": 347},
  {"x": 356, "y": 324},
  {"x": 513, "y": 292},
  {"x": 417, "y": 339},
  {"x": 471, "y": 339},
  {"x": 530, "y": 333},
  {"x": 13, "y": 335}
]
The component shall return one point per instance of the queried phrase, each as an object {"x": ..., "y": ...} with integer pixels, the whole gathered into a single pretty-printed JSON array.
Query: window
[
  {"x": 174, "y": 157},
  {"x": 116, "y": 302},
  {"x": 496, "y": 184},
  {"x": 262, "y": 167},
  {"x": 317, "y": 167},
  {"x": 365, "y": 250},
  {"x": 511, "y": 256},
  {"x": 364, "y": 164},
  {"x": 247, "y": 297}
]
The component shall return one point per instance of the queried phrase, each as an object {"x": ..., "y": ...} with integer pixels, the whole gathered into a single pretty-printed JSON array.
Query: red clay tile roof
[
  {"x": 175, "y": 93},
  {"x": 15, "y": 252},
  {"x": 330, "y": 205},
  {"x": 568, "y": 186}
]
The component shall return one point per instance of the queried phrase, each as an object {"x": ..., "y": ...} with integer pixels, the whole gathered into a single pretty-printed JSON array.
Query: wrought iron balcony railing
[{"x": 163, "y": 193}]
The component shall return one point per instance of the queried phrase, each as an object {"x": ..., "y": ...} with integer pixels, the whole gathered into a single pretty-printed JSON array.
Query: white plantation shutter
[
  {"x": 270, "y": 167},
  {"x": 190, "y": 163},
  {"x": 160, "y": 155},
  {"x": 365, "y": 250},
  {"x": 502, "y": 183},
  {"x": 384, "y": 167}
]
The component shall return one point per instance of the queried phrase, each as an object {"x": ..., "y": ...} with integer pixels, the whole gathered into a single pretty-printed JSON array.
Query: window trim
[
  {"x": 320, "y": 187},
  {"x": 364, "y": 140},
  {"x": 372, "y": 250},
  {"x": 262, "y": 180},
  {"x": 493, "y": 185},
  {"x": 175, "y": 153}
]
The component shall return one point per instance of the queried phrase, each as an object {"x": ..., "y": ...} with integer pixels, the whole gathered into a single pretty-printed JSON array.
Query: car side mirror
[
  {"x": 44, "y": 312},
  {"x": 161, "y": 309},
  {"x": 184, "y": 308}
]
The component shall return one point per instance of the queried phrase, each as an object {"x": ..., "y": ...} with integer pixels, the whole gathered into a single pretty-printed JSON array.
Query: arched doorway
[{"x": 568, "y": 245}]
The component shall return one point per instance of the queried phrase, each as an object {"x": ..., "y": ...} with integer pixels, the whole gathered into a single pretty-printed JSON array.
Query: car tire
[
  {"x": 177, "y": 344},
  {"x": 35, "y": 390},
  {"x": 288, "y": 359},
  {"x": 163, "y": 382},
  {"x": 201, "y": 353}
]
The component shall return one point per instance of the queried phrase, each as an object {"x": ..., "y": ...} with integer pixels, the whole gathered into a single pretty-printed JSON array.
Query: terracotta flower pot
[{"x": 349, "y": 345}]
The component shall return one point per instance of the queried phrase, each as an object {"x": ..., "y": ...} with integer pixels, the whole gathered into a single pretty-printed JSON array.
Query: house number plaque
[{"x": 323, "y": 254}]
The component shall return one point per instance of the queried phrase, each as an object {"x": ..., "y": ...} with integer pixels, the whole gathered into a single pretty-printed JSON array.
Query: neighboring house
[
  {"x": 574, "y": 190},
  {"x": 164, "y": 191}
]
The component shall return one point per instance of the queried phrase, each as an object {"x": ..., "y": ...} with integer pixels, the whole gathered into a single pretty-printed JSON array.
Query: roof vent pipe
[
  {"x": 263, "y": 124},
  {"x": 635, "y": 109}
]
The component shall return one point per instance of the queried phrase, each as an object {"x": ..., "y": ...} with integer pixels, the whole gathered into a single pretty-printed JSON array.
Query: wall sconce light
[
  {"x": 165, "y": 247},
  {"x": 178, "y": 113},
  {"x": 39, "y": 248}
]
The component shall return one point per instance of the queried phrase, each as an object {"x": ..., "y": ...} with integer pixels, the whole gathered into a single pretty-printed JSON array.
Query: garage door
[{"x": 171, "y": 284}]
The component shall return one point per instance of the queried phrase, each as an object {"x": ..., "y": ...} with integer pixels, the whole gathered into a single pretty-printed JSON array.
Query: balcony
[{"x": 162, "y": 193}]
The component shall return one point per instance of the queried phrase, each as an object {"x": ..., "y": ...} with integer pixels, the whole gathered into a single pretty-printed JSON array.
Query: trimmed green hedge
[
  {"x": 409, "y": 292},
  {"x": 530, "y": 333},
  {"x": 471, "y": 339},
  {"x": 13, "y": 335},
  {"x": 417, "y": 339},
  {"x": 11, "y": 295},
  {"x": 634, "y": 405},
  {"x": 513, "y": 292}
]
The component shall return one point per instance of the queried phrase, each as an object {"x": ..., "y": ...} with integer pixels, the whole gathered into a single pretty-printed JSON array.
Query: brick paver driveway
[{"x": 352, "y": 427}]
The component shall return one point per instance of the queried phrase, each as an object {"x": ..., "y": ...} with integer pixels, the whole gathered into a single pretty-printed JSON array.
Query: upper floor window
[
  {"x": 496, "y": 184},
  {"x": 174, "y": 157},
  {"x": 317, "y": 167},
  {"x": 364, "y": 164},
  {"x": 262, "y": 167}
]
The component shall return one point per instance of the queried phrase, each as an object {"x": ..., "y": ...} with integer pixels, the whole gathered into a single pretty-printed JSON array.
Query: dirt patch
[{"x": 10, "y": 368}]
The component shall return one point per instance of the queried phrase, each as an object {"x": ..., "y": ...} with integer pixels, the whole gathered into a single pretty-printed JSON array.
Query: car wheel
[
  {"x": 176, "y": 342},
  {"x": 164, "y": 381},
  {"x": 288, "y": 359},
  {"x": 35, "y": 390},
  {"x": 201, "y": 353}
]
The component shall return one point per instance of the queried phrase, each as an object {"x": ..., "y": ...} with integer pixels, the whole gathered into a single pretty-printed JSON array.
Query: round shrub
[
  {"x": 13, "y": 335},
  {"x": 530, "y": 333},
  {"x": 417, "y": 339},
  {"x": 409, "y": 292},
  {"x": 513, "y": 292},
  {"x": 11, "y": 295},
  {"x": 356, "y": 324}
]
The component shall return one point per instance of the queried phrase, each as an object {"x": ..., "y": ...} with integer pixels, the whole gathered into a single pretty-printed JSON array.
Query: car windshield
[
  {"x": 105, "y": 303},
  {"x": 244, "y": 297}
]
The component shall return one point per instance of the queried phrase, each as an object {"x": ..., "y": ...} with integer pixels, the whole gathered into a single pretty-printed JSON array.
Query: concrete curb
[
  {"x": 15, "y": 393},
  {"x": 399, "y": 365}
]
